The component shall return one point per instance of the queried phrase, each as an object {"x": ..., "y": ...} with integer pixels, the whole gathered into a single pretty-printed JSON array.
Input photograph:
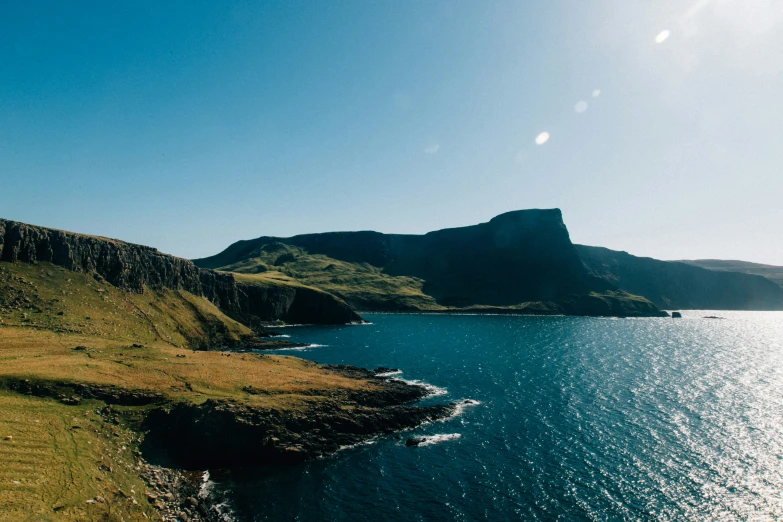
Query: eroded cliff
[{"x": 135, "y": 267}]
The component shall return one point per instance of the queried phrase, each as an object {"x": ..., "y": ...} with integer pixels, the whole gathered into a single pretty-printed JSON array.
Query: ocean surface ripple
[{"x": 569, "y": 418}]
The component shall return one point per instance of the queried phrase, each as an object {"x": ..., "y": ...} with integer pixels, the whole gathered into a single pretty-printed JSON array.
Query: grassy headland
[{"x": 98, "y": 382}]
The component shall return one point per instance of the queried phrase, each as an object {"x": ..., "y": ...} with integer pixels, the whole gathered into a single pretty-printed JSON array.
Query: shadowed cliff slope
[
  {"x": 518, "y": 257},
  {"x": 135, "y": 268},
  {"x": 671, "y": 284},
  {"x": 771, "y": 272}
]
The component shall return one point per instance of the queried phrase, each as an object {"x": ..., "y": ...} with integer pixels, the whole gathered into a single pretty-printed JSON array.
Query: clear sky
[{"x": 187, "y": 126}]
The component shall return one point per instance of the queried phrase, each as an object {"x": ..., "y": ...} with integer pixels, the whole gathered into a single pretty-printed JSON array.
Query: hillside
[
  {"x": 363, "y": 285},
  {"x": 137, "y": 268},
  {"x": 116, "y": 380},
  {"x": 771, "y": 272},
  {"x": 515, "y": 258},
  {"x": 676, "y": 285}
]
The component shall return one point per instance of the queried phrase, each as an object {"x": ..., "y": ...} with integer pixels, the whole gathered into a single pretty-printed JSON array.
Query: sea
[{"x": 569, "y": 418}]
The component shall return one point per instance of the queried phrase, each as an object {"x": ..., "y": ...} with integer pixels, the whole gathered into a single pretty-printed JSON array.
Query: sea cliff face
[
  {"x": 135, "y": 267},
  {"x": 516, "y": 257},
  {"x": 672, "y": 284}
]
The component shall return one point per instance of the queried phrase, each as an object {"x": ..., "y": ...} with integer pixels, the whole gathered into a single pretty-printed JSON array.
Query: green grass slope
[
  {"x": 363, "y": 286},
  {"x": 48, "y": 297}
]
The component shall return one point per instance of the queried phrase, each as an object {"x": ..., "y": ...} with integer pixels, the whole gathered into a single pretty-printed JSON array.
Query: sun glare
[{"x": 662, "y": 36}]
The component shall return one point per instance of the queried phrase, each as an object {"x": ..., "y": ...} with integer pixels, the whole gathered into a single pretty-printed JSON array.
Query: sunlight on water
[{"x": 578, "y": 418}]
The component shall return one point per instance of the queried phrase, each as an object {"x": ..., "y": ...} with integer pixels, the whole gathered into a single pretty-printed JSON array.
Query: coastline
[{"x": 171, "y": 444}]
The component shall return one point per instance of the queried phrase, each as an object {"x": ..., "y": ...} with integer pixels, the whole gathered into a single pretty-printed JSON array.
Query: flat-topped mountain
[
  {"x": 673, "y": 284},
  {"x": 523, "y": 260}
]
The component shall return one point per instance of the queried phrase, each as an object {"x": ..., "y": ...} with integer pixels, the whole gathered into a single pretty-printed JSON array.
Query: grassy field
[
  {"x": 361, "y": 285},
  {"x": 177, "y": 374},
  {"x": 62, "y": 462}
]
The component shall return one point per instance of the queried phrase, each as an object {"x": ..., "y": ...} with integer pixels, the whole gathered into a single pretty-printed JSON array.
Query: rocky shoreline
[
  {"x": 179, "y": 440},
  {"x": 229, "y": 436}
]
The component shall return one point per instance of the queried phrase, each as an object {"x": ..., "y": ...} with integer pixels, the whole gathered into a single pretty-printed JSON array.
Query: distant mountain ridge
[
  {"x": 521, "y": 257},
  {"x": 771, "y": 272},
  {"x": 681, "y": 285}
]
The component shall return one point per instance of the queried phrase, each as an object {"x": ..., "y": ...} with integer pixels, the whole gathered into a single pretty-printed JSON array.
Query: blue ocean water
[{"x": 578, "y": 419}]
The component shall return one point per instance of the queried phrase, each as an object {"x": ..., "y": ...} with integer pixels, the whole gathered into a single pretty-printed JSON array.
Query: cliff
[
  {"x": 135, "y": 267},
  {"x": 518, "y": 257},
  {"x": 671, "y": 284}
]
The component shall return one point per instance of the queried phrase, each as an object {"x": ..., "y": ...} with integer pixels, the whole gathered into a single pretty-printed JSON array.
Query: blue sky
[{"x": 187, "y": 126}]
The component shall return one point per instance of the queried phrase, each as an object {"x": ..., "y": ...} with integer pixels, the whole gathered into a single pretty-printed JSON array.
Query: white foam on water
[
  {"x": 297, "y": 348},
  {"x": 221, "y": 509},
  {"x": 460, "y": 408},
  {"x": 206, "y": 485},
  {"x": 429, "y": 440},
  {"x": 389, "y": 374},
  {"x": 432, "y": 390},
  {"x": 358, "y": 444}
]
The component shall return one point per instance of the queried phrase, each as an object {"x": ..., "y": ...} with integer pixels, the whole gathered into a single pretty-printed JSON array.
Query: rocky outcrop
[
  {"x": 224, "y": 434},
  {"x": 676, "y": 285},
  {"x": 292, "y": 304},
  {"x": 136, "y": 267},
  {"x": 221, "y": 433}
]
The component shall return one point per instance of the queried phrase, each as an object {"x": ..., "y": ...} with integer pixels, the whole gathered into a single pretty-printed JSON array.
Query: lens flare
[
  {"x": 662, "y": 36},
  {"x": 542, "y": 138}
]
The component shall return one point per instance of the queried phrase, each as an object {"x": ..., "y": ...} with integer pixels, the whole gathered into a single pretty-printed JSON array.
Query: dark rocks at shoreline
[
  {"x": 225, "y": 434},
  {"x": 414, "y": 441},
  {"x": 391, "y": 392},
  {"x": 379, "y": 371}
]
